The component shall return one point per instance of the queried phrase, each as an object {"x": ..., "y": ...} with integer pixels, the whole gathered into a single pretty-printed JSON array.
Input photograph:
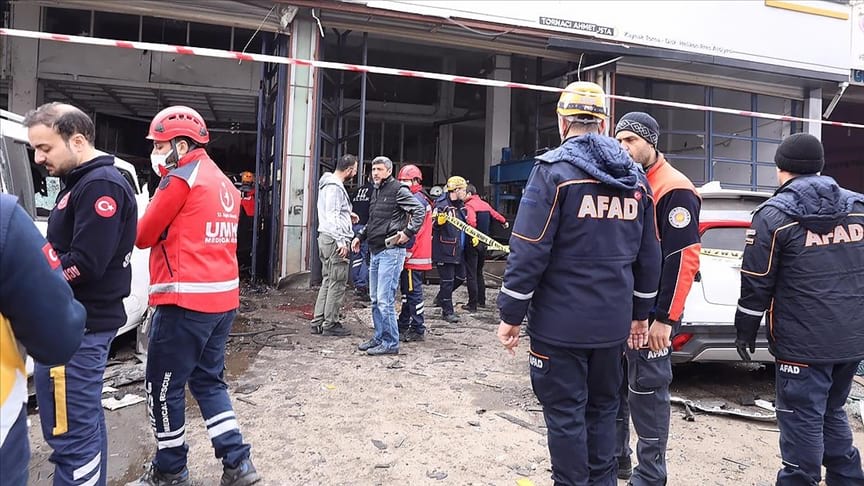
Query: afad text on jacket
[{"x": 584, "y": 254}]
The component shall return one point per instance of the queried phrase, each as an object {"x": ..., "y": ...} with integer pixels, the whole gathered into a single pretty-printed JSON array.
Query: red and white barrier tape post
[{"x": 239, "y": 56}]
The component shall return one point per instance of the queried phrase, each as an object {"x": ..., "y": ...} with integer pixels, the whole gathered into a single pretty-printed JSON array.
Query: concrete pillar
[
  {"x": 23, "y": 95},
  {"x": 446, "y": 100},
  {"x": 297, "y": 168},
  {"x": 813, "y": 110},
  {"x": 497, "y": 116}
]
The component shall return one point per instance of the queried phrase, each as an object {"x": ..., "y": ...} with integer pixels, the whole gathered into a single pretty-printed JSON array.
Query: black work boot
[
  {"x": 451, "y": 318},
  {"x": 414, "y": 336},
  {"x": 153, "y": 477},
  {"x": 335, "y": 330},
  {"x": 243, "y": 475}
]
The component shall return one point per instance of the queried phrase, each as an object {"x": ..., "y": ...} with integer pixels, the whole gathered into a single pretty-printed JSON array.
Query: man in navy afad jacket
[
  {"x": 584, "y": 267},
  {"x": 92, "y": 228},
  {"x": 804, "y": 265}
]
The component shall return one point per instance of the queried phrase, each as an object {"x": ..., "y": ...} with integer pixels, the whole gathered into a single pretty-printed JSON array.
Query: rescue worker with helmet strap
[
  {"x": 191, "y": 229},
  {"x": 37, "y": 310},
  {"x": 418, "y": 261},
  {"x": 92, "y": 231},
  {"x": 583, "y": 267},
  {"x": 448, "y": 244},
  {"x": 645, "y": 389}
]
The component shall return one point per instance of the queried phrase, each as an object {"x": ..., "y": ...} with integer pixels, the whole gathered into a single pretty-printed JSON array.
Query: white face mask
[{"x": 158, "y": 162}]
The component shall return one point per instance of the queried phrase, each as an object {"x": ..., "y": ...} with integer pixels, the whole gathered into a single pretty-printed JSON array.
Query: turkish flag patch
[
  {"x": 51, "y": 256},
  {"x": 105, "y": 206}
]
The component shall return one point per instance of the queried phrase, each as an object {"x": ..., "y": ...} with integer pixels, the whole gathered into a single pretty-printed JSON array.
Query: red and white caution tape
[{"x": 240, "y": 56}]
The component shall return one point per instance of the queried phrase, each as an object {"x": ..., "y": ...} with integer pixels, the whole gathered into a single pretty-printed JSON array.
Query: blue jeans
[
  {"x": 359, "y": 267},
  {"x": 188, "y": 346},
  {"x": 385, "y": 267},
  {"x": 70, "y": 408}
]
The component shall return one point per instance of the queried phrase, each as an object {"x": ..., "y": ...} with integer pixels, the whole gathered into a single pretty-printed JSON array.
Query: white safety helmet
[{"x": 436, "y": 191}]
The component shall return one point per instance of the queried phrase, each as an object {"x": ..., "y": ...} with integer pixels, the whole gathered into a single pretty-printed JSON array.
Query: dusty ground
[{"x": 317, "y": 411}]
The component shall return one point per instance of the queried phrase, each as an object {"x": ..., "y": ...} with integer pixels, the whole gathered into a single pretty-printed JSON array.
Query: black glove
[
  {"x": 742, "y": 348},
  {"x": 746, "y": 329}
]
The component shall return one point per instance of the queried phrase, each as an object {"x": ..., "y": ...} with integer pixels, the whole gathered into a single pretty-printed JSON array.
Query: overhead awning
[{"x": 245, "y": 14}]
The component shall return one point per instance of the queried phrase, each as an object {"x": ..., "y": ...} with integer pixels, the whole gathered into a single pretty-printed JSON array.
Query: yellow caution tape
[
  {"x": 722, "y": 253},
  {"x": 472, "y": 232},
  {"x": 524, "y": 482}
]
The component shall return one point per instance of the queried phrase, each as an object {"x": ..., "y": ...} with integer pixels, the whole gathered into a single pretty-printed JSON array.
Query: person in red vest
[
  {"x": 418, "y": 260},
  {"x": 481, "y": 213},
  {"x": 191, "y": 229}
]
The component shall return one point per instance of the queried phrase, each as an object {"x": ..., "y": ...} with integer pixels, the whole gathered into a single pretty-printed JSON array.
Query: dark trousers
[
  {"x": 189, "y": 347},
  {"x": 452, "y": 275},
  {"x": 360, "y": 263},
  {"x": 411, "y": 316},
  {"x": 647, "y": 381},
  {"x": 475, "y": 260},
  {"x": 70, "y": 408},
  {"x": 15, "y": 453},
  {"x": 814, "y": 428},
  {"x": 578, "y": 389}
]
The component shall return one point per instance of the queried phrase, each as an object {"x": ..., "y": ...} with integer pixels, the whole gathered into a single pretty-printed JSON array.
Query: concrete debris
[
  {"x": 765, "y": 404},
  {"x": 129, "y": 399},
  {"x": 521, "y": 423},
  {"x": 125, "y": 374},
  {"x": 380, "y": 445},
  {"x": 719, "y": 408},
  {"x": 436, "y": 474}
]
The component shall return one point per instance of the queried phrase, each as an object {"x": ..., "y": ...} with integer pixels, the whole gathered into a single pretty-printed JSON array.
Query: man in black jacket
[
  {"x": 395, "y": 216},
  {"x": 92, "y": 228},
  {"x": 804, "y": 265}
]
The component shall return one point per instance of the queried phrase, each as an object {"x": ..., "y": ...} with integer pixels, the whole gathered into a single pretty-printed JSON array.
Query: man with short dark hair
[
  {"x": 648, "y": 372},
  {"x": 804, "y": 265},
  {"x": 92, "y": 229},
  {"x": 395, "y": 216},
  {"x": 334, "y": 242}
]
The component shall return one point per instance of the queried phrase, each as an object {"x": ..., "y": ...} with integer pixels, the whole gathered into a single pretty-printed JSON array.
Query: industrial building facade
[{"x": 289, "y": 123}]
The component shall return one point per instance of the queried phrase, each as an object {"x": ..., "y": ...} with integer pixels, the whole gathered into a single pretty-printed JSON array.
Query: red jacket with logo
[
  {"x": 419, "y": 256},
  {"x": 191, "y": 228}
]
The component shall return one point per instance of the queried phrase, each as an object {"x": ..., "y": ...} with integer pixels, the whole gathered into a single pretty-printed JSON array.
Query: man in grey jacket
[{"x": 335, "y": 232}]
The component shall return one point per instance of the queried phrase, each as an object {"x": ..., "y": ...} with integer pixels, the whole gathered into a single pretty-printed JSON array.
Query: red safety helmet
[
  {"x": 178, "y": 121},
  {"x": 409, "y": 173}
]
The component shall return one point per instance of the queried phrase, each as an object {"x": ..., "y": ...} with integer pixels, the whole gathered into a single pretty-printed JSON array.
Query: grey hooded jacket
[{"x": 334, "y": 210}]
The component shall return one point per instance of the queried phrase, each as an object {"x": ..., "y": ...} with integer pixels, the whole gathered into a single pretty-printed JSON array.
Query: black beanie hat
[
  {"x": 641, "y": 124},
  {"x": 800, "y": 153}
]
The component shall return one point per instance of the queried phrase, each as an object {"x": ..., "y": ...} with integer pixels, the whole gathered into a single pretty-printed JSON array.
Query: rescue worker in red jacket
[
  {"x": 418, "y": 260},
  {"x": 191, "y": 229},
  {"x": 650, "y": 372},
  {"x": 481, "y": 213}
]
